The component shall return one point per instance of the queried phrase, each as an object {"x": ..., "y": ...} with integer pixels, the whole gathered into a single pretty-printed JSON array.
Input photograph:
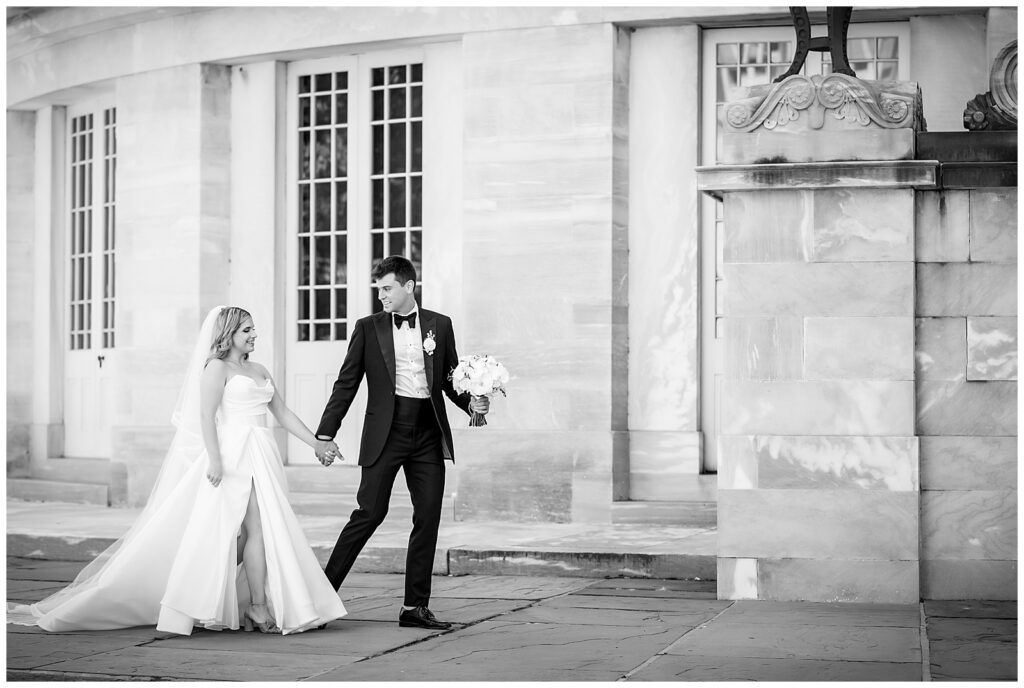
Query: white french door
[
  {"x": 90, "y": 353},
  {"x": 734, "y": 58},
  {"x": 354, "y": 196}
]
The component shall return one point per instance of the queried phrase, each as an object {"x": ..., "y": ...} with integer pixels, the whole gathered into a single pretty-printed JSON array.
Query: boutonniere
[{"x": 429, "y": 344}]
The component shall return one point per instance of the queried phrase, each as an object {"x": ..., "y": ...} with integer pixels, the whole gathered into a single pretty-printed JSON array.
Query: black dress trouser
[{"x": 414, "y": 445}]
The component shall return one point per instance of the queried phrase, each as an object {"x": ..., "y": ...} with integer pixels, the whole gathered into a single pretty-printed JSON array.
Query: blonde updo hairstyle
[{"x": 229, "y": 321}]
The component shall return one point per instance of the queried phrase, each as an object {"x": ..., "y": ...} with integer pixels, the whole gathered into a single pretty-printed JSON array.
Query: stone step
[
  {"x": 340, "y": 480},
  {"x": 89, "y": 471},
  {"x": 341, "y": 505},
  {"x": 692, "y": 514},
  {"x": 35, "y": 490},
  {"x": 661, "y": 486}
]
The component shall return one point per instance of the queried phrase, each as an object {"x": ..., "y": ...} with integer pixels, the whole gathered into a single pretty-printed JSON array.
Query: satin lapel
[
  {"x": 429, "y": 324},
  {"x": 387, "y": 342}
]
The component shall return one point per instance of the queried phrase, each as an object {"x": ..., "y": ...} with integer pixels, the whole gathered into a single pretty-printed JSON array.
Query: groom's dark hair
[{"x": 402, "y": 268}]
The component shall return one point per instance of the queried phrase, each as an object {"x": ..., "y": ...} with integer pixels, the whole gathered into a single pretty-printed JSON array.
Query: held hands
[
  {"x": 215, "y": 472},
  {"x": 327, "y": 451}
]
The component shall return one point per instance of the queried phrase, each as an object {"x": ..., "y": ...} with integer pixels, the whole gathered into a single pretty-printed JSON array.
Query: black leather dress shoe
[{"x": 421, "y": 617}]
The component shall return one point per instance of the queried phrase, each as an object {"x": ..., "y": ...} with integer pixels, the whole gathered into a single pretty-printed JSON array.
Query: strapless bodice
[{"x": 245, "y": 400}]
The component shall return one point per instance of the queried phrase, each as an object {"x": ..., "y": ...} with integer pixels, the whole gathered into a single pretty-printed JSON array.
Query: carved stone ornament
[
  {"x": 997, "y": 109},
  {"x": 816, "y": 97}
]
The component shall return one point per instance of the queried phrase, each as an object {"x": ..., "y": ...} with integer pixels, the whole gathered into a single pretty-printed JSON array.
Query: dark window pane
[
  {"x": 323, "y": 260},
  {"x": 396, "y": 243},
  {"x": 396, "y": 75},
  {"x": 322, "y": 332},
  {"x": 378, "y": 105},
  {"x": 303, "y": 112},
  {"x": 416, "y": 202},
  {"x": 888, "y": 48},
  {"x": 753, "y": 76},
  {"x": 341, "y": 259},
  {"x": 753, "y": 53},
  {"x": 341, "y": 108},
  {"x": 396, "y": 202},
  {"x": 378, "y": 149},
  {"x": 887, "y": 71},
  {"x": 303, "y": 333},
  {"x": 860, "y": 49},
  {"x": 303, "y": 304},
  {"x": 865, "y": 70},
  {"x": 322, "y": 301},
  {"x": 726, "y": 83},
  {"x": 416, "y": 102},
  {"x": 323, "y": 82},
  {"x": 396, "y": 147},
  {"x": 378, "y": 76},
  {"x": 378, "y": 248},
  {"x": 340, "y": 304},
  {"x": 378, "y": 203},
  {"x": 303, "y": 155},
  {"x": 323, "y": 207},
  {"x": 396, "y": 103},
  {"x": 304, "y": 84},
  {"x": 416, "y": 250},
  {"x": 341, "y": 80},
  {"x": 303, "y": 261},
  {"x": 417, "y": 147},
  {"x": 323, "y": 154},
  {"x": 727, "y": 54},
  {"x": 323, "y": 110},
  {"x": 340, "y": 331},
  {"x": 417, "y": 72},
  {"x": 341, "y": 152},
  {"x": 303, "y": 208},
  {"x": 341, "y": 206},
  {"x": 777, "y": 70}
]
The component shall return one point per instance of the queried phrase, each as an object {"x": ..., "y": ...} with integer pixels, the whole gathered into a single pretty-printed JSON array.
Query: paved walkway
[{"x": 519, "y": 628}]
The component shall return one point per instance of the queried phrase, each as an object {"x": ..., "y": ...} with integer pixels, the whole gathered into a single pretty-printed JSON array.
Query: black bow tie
[{"x": 411, "y": 319}]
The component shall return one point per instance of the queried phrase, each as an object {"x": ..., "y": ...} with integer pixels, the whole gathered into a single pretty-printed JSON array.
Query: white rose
[
  {"x": 429, "y": 345},
  {"x": 478, "y": 388}
]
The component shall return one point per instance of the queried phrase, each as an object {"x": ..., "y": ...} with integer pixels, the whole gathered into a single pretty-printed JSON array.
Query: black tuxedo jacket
[{"x": 371, "y": 351}]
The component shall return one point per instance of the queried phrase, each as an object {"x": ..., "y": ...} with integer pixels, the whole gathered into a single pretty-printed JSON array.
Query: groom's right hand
[{"x": 327, "y": 451}]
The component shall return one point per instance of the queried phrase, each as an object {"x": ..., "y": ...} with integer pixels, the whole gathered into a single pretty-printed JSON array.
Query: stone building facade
[{"x": 546, "y": 168}]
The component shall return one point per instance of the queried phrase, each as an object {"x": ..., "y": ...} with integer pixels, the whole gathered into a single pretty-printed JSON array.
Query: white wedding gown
[{"x": 177, "y": 566}]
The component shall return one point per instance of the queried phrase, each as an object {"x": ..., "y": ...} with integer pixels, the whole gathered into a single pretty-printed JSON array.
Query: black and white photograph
[{"x": 511, "y": 343}]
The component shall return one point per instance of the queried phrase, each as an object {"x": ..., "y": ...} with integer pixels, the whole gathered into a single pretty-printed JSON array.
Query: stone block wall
[
  {"x": 546, "y": 252},
  {"x": 966, "y": 388},
  {"x": 818, "y": 462}
]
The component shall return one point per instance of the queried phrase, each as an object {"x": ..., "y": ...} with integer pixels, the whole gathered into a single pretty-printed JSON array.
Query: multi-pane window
[
  {"x": 396, "y": 175},
  {"x": 109, "y": 222},
  {"x": 80, "y": 249},
  {"x": 323, "y": 231},
  {"x": 870, "y": 58}
]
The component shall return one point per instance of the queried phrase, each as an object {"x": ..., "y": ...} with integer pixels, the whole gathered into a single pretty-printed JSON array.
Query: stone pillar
[
  {"x": 21, "y": 163},
  {"x": 173, "y": 240},
  {"x": 818, "y": 461},
  {"x": 545, "y": 262},
  {"x": 664, "y": 332}
]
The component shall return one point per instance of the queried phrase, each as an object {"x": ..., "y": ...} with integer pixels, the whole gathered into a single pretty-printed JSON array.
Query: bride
[{"x": 217, "y": 535}]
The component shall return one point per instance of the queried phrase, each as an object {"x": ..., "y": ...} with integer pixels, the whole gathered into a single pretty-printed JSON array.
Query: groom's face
[{"x": 394, "y": 296}]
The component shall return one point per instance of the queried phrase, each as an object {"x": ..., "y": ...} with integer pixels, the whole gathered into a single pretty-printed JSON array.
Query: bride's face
[{"x": 244, "y": 340}]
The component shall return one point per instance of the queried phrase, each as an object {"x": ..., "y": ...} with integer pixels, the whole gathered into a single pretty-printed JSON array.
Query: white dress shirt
[{"x": 410, "y": 373}]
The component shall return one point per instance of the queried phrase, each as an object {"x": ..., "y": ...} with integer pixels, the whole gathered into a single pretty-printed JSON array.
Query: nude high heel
[{"x": 265, "y": 623}]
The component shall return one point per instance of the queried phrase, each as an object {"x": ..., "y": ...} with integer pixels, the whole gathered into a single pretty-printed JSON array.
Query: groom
[{"x": 407, "y": 355}]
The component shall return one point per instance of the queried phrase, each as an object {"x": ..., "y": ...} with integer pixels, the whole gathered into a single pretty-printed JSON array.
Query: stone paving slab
[
  {"x": 972, "y": 649},
  {"x": 584, "y": 616},
  {"x": 501, "y": 651},
  {"x": 710, "y": 668},
  {"x": 44, "y": 649},
  {"x": 680, "y": 605},
  {"x": 456, "y": 610},
  {"x": 822, "y": 614},
  {"x": 44, "y": 570},
  {"x": 852, "y": 643},
  {"x": 979, "y": 609},
  {"x": 205, "y": 664},
  {"x": 343, "y": 637},
  {"x": 505, "y": 587}
]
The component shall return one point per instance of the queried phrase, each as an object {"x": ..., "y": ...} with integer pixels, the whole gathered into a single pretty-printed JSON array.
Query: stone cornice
[{"x": 895, "y": 174}]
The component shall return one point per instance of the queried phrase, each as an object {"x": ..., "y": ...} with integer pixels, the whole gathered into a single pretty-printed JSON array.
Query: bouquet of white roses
[{"x": 480, "y": 376}]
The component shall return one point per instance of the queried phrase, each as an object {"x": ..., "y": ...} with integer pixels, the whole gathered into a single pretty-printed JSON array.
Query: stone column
[
  {"x": 544, "y": 266},
  {"x": 173, "y": 240},
  {"x": 818, "y": 462}
]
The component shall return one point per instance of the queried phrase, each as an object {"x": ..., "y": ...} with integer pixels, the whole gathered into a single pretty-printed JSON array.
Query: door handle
[{"x": 100, "y": 359}]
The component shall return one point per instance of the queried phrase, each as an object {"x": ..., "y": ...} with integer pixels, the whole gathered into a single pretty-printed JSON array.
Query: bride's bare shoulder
[{"x": 215, "y": 368}]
